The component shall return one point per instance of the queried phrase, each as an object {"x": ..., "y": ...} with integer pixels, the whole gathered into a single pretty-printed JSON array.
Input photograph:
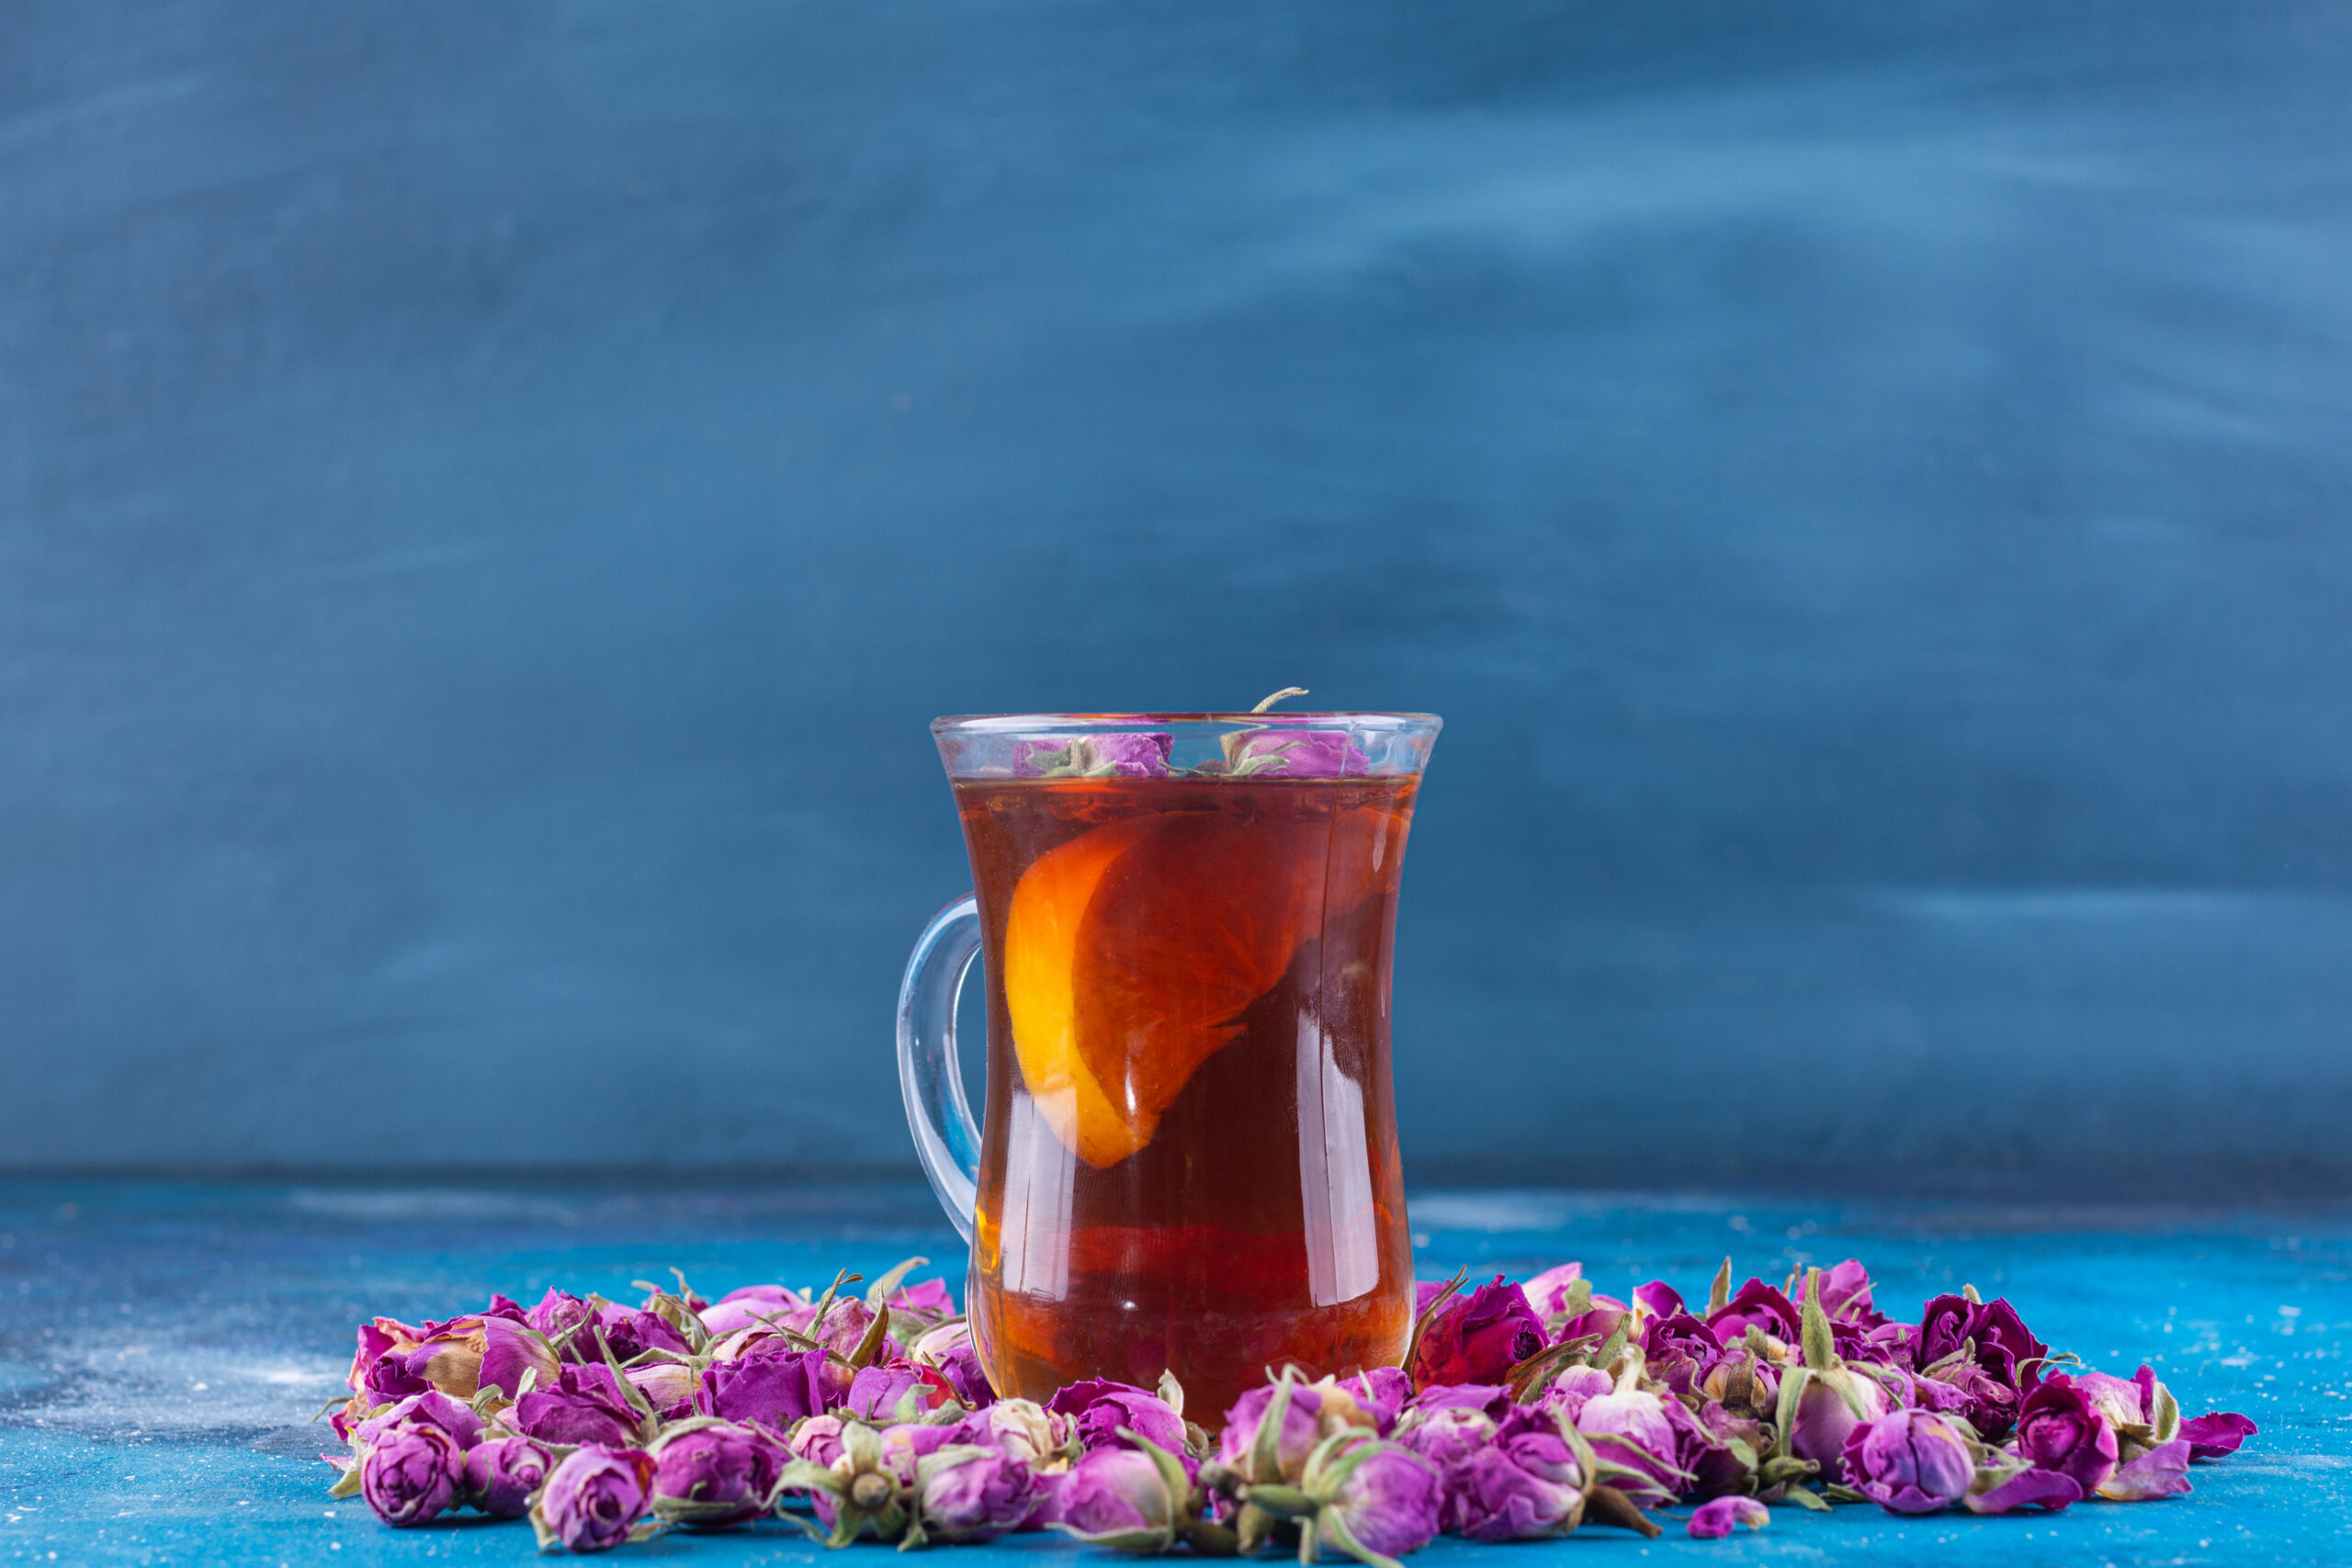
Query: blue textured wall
[{"x": 489, "y": 496}]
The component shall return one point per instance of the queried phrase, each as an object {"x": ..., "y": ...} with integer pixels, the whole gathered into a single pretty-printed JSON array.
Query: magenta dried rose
[
  {"x": 1909, "y": 1461},
  {"x": 1492, "y": 1398},
  {"x": 895, "y": 1391},
  {"x": 1678, "y": 1350},
  {"x": 1382, "y": 1393},
  {"x": 1295, "y": 1410},
  {"x": 1478, "y": 1340},
  {"x": 2215, "y": 1436},
  {"x": 1445, "y": 1435},
  {"x": 2151, "y": 1473},
  {"x": 561, "y": 1316},
  {"x": 715, "y": 1473},
  {"x": 1101, "y": 1407},
  {"x": 1119, "y": 1498},
  {"x": 1375, "y": 1497},
  {"x": 1634, "y": 1429},
  {"x": 924, "y": 1298},
  {"x": 949, "y": 1348},
  {"x": 430, "y": 1408},
  {"x": 630, "y": 1333},
  {"x": 411, "y": 1474},
  {"x": 668, "y": 1386},
  {"x": 1093, "y": 756},
  {"x": 1953, "y": 1329},
  {"x": 1754, "y": 1305},
  {"x": 1713, "y": 1521},
  {"x": 1572, "y": 1388},
  {"x": 503, "y": 1472},
  {"x": 595, "y": 1499},
  {"x": 1657, "y": 1299},
  {"x": 2060, "y": 1430},
  {"x": 967, "y": 1494},
  {"x": 470, "y": 1354},
  {"x": 1024, "y": 1430},
  {"x": 777, "y": 1387},
  {"x": 1522, "y": 1483},
  {"x": 1298, "y": 753},
  {"x": 586, "y": 1406}
]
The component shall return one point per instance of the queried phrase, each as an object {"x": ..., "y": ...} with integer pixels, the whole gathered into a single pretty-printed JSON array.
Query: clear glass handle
[{"x": 946, "y": 1139}]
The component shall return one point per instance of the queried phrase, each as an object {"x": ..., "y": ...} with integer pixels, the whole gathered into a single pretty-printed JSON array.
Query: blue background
[{"x": 490, "y": 497}]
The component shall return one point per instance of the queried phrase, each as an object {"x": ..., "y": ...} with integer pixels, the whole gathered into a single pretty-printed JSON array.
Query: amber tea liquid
[{"x": 1190, "y": 1161}]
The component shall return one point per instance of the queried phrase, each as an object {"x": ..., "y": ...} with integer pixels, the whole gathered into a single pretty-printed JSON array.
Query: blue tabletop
[{"x": 162, "y": 1346}]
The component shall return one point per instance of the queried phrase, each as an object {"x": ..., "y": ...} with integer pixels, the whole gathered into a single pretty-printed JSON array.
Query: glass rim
[{"x": 1024, "y": 723}]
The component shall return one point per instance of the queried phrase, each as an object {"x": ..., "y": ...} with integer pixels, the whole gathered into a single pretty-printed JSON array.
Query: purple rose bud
[
  {"x": 430, "y": 1408},
  {"x": 467, "y": 1355},
  {"x": 1389, "y": 1503},
  {"x": 1525, "y": 1484},
  {"x": 630, "y": 1333},
  {"x": 1953, "y": 1330},
  {"x": 895, "y": 1391},
  {"x": 746, "y": 1308},
  {"x": 967, "y": 1494},
  {"x": 2059, "y": 1430},
  {"x": 1632, "y": 1430},
  {"x": 1742, "y": 1380},
  {"x": 777, "y": 1387},
  {"x": 1758, "y": 1304},
  {"x": 1570, "y": 1391},
  {"x": 2214, "y": 1436},
  {"x": 1829, "y": 1407},
  {"x": 586, "y": 1406},
  {"x": 1445, "y": 1435},
  {"x": 503, "y": 1472},
  {"x": 1713, "y": 1521},
  {"x": 561, "y": 1316},
  {"x": 1846, "y": 1295},
  {"x": 714, "y": 1474},
  {"x": 1380, "y": 1393},
  {"x": 1118, "y": 1497},
  {"x": 1299, "y": 753},
  {"x": 950, "y": 1348},
  {"x": 1094, "y": 756},
  {"x": 411, "y": 1474},
  {"x": 818, "y": 1440},
  {"x": 669, "y": 1386},
  {"x": 1298, "y": 1432},
  {"x": 1101, "y": 1407},
  {"x": 1478, "y": 1340},
  {"x": 1909, "y": 1461},
  {"x": 1548, "y": 1293},
  {"x": 1022, "y": 1428},
  {"x": 1679, "y": 1351},
  {"x": 594, "y": 1499}
]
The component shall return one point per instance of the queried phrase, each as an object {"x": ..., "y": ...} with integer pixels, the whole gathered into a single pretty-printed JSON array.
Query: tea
[{"x": 1190, "y": 1161}]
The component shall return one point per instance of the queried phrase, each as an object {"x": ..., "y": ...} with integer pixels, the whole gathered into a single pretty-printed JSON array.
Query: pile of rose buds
[{"x": 1520, "y": 1411}]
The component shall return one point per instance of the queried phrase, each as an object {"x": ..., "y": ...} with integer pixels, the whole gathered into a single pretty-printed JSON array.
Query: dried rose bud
[
  {"x": 1024, "y": 1430},
  {"x": 817, "y": 1440},
  {"x": 1119, "y": 1498},
  {"x": 1953, "y": 1330},
  {"x": 1679, "y": 1351},
  {"x": 1909, "y": 1461},
  {"x": 1296, "y": 753},
  {"x": 2060, "y": 1430},
  {"x": 668, "y": 1386},
  {"x": 1759, "y": 1304},
  {"x": 777, "y": 1387},
  {"x": 1445, "y": 1435},
  {"x": 1713, "y": 1521},
  {"x": 597, "y": 1497},
  {"x": 712, "y": 1473},
  {"x": 587, "y": 1404},
  {"x": 1821, "y": 1399},
  {"x": 950, "y": 1348},
  {"x": 1656, "y": 1300},
  {"x": 1846, "y": 1295},
  {"x": 1270, "y": 1430},
  {"x": 1526, "y": 1482},
  {"x": 503, "y": 1472},
  {"x": 431, "y": 1408},
  {"x": 1549, "y": 1293},
  {"x": 1380, "y": 1393},
  {"x": 965, "y": 1492},
  {"x": 411, "y": 1474},
  {"x": 561, "y": 1316},
  {"x": 925, "y": 1298},
  {"x": 897, "y": 1390},
  {"x": 1572, "y": 1387},
  {"x": 1477, "y": 1339},
  {"x": 1101, "y": 1407},
  {"x": 1631, "y": 1430},
  {"x": 1093, "y": 756}
]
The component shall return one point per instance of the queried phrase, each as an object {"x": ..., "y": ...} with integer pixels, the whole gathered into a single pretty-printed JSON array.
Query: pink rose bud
[
  {"x": 1101, "y": 1407},
  {"x": 2060, "y": 1430},
  {"x": 1093, "y": 756},
  {"x": 714, "y": 1474},
  {"x": 595, "y": 1499},
  {"x": 1480, "y": 1339},
  {"x": 503, "y": 1472},
  {"x": 1909, "y": 1461},
  {"x": 411, "y": 1474},
  {"x": 967, "y": 1494},
  {"x": 1119, "y": 1498},
  {"x": 1523, "y": 1484},
  {"x": 1299, "y": 753}
]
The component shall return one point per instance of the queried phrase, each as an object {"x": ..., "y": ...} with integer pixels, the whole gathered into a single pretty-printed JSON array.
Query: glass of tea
[{"x": 1188, "y": 1157}]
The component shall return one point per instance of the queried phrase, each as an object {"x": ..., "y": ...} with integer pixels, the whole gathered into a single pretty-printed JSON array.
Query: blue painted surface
[
  {"x": 160, "y": 1346},
  {"x": 490, "y": 497}
]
